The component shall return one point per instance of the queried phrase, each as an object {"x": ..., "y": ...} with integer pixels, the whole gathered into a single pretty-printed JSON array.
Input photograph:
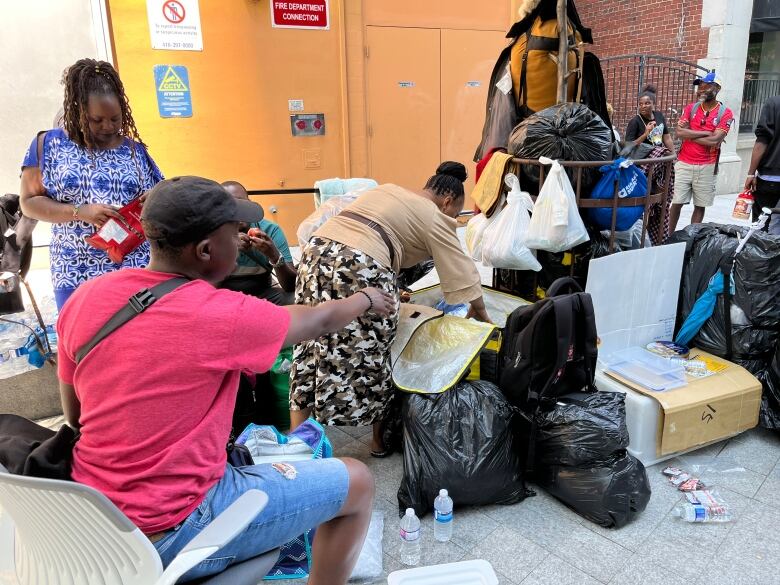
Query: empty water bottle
[
  {"x": 442, "y": 517},
  {"x": 701, "y": 513},
  {"x": 410, "y": 538},
  {"x": 703, "y": 506}
]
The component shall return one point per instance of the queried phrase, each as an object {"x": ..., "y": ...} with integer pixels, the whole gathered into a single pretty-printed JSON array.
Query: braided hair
[
  {"x": 448, "y": 180},
  {"x": 87, "y": 77}
]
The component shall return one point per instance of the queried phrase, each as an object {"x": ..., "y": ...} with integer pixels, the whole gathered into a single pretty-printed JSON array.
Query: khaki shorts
[{"x": 695, "y": 182}]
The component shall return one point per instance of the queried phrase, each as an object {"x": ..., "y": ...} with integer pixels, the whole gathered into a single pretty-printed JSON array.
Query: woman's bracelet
[
  {"x": 370, "y": 302},
  {"x": 76, "y": 212}
]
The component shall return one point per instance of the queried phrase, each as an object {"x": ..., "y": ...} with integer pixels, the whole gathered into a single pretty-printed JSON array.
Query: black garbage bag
[
  {"x": 567, "y": 132},
  {"x": 583, "y": 427},
  {"x": 755, "y": 310},
  {"x": 768, "y": 373},
  {"x": 461, "y": 440},
  {"x": 408, "y": 276},
  {"x": 610, "y": 493},
  {"x": 770, "y": 402}
]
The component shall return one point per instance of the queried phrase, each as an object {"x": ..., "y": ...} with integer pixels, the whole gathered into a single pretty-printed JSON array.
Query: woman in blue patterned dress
[{"x": 77, "y": 176}]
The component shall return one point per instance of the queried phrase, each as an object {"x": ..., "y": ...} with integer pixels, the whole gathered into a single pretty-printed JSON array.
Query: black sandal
[{"x": 381, "y": 454}]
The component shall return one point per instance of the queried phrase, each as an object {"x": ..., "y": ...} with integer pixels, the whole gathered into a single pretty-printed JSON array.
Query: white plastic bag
[
  {"x": 475, "y": 228},
  {"x": 556, "y": 224},
  {"x": 504, "y": 239},
  {"x": 323, "y": 213}
]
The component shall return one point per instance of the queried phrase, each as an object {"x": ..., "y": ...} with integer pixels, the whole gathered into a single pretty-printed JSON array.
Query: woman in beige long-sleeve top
[{"x": 345, "y": 378}]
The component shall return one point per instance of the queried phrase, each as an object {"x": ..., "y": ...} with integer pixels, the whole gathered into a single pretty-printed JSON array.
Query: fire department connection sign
[
  {"x": 313, "y": 14},
  {"x": 174, "y": 25}
]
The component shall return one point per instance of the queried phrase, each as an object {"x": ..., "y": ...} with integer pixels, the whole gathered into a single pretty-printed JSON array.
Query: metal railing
[
  {"x": 625, "y": 77},
  {"x": 759, "y": 86}
]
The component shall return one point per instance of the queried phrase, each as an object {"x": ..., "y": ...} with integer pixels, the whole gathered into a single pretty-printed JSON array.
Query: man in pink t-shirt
[
  {"x": 702, "y": 127},
  {"x": 154, "y": 399}
]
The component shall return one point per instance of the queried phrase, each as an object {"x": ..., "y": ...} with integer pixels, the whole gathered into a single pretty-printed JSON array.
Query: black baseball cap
[{"x": 186, "y": 209}]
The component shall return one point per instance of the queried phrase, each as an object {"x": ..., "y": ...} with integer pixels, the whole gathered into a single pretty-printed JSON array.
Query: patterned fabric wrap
[
  {"x": 344, "y": 377},
  {"x": 268, "y": 445},
  {"x": 73, "y": 175},
  {"x": 656, "y": 229}
]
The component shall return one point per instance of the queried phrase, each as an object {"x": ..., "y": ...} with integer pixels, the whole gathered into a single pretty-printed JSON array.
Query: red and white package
[{"x": 119, "y": 237}]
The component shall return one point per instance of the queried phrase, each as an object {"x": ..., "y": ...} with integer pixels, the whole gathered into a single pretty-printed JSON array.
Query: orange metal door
[
  {"x": 402, "y": 75},
  {"x": 467, "y": 60}
]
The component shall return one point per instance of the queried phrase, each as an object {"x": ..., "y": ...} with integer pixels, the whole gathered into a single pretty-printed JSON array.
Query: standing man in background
[
  {"x": 703, "y": 128},
  {"x": 764, "y": 174}
]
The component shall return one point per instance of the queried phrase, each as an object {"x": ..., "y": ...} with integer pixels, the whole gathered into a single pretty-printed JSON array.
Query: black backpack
[
  {"x": 550, "y": 349},
  {"x": 15, "y": 249}
]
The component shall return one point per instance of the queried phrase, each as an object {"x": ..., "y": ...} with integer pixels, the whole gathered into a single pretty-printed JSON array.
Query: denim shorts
[{"x": 316, "y": 495}]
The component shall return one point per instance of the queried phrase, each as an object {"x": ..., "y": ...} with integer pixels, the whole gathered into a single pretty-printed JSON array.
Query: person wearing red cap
[{"x": 703, "y": 128}]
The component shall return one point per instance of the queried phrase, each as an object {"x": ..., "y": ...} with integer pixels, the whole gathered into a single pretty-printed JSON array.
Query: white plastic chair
[{"x": 70, "y": 534}]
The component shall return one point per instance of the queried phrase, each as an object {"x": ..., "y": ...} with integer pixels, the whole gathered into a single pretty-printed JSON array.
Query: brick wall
[{"x": 646, "y": 26}]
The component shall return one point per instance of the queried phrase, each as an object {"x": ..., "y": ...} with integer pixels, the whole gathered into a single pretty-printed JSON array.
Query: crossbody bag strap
[
  {"x": 136, "y": 305},
  {"x": 377, "y": 228}
]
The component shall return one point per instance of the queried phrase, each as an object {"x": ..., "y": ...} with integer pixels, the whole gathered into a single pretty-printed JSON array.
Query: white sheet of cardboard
[{"x": 635, "y": 296}]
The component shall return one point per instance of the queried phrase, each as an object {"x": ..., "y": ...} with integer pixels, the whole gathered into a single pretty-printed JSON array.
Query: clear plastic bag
[
  {"x": 369, "y": 563},
  {"x": 504, "y": 239},
  {"x": 556, "y": 225},
  {"x": 323, "y": 213}
]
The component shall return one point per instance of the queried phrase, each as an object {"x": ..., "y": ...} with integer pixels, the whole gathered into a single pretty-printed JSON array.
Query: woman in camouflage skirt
[{"x": 345, "y": 378}]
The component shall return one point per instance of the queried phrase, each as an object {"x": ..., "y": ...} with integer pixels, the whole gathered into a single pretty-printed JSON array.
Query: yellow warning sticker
[{"x": 172, "y": 82}]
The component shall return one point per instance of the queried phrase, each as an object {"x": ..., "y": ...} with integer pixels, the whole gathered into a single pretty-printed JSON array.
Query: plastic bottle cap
[
  {"x": 443, "y": 493},
  {"x": 410, "y": 511}
]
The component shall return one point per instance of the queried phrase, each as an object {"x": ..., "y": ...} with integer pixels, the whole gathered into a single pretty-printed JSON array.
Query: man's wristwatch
[{"x": 279, "y": 262}]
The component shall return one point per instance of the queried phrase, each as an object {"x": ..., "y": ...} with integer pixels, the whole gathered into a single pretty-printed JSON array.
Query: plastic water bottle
[
  {"x": 410, "y": 538},
  {"x": 12, "y": 364},
  {"x": 701, "y": 513},
  {"x": 442, "y": 517}
]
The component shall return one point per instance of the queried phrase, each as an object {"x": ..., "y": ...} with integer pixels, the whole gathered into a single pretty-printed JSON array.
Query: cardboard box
[{"x": 707, "y": 409}]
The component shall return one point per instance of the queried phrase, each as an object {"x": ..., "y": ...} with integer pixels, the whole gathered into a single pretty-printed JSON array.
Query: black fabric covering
[
  {"x": 566, "y": 132},
  {"x": 594, "y": 94},
  {"x": 463, "y": 441},
  {"x": 27, "y": 448},
  {"x": 548, "y": 11},
  {"x": 582, "y": 428}
]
